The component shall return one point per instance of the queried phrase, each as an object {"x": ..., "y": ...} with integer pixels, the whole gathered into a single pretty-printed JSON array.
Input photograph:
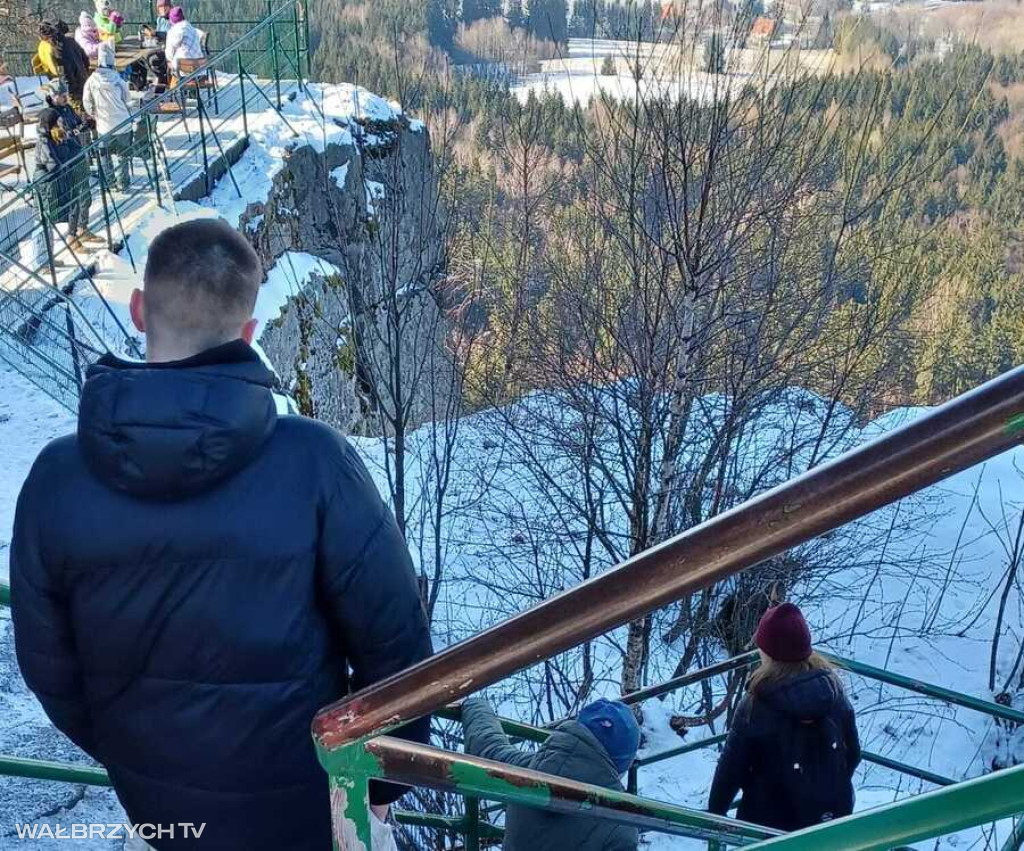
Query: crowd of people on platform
[{"x": 88, "y": 96}]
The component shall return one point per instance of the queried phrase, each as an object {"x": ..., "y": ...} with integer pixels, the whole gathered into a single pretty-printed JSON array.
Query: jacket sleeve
[
  {"x": 89, "y": 97},
  {"x": 732, "y": 764},
  {"x": 172, "y": 43},
  {"x": 852, "y": 738},
  {"x": 370, "y": 592},
  {"x": 44, "y": 158},
  {"x": 486, "y": 739},
  {"x": 43, "y": 636},
  {"x": 47, "y": 60}
]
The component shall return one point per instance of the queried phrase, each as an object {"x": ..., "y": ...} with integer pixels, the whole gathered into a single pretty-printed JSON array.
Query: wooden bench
[{"x": 207, "y": 81}]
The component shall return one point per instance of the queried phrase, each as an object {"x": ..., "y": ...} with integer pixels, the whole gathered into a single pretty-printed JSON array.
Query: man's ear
[
  {"x": 249, "y": 330},
  {"x": 136, "y": 308}
]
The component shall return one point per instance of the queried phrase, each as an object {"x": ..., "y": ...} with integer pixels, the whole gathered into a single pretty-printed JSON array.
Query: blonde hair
[{"x": 771, "y": 672}]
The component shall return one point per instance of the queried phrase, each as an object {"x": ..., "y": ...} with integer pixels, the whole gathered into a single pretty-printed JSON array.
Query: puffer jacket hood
[
  {"x": 808, "y": 697},
  {"x": 172, "y": 430}
]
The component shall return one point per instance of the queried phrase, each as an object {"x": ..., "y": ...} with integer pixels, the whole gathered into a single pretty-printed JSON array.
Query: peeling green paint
[
  {"x": 350, "y": 770},
  {"x": 1015, "y": 425},
  {"x": 473, "y": 777}
]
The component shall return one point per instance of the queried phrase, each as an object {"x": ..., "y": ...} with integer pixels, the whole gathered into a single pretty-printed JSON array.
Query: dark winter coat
[
  {"x": 64, "y": 184},
  {"x": 192, "y": 578},
  {"x": 572, "y": 751},
  {"x": 762, "y": 731},
  {"x": 74, "y": 63}
]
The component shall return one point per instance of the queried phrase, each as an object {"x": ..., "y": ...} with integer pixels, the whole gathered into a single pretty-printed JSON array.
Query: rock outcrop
[{"x": 372, "y": 332}]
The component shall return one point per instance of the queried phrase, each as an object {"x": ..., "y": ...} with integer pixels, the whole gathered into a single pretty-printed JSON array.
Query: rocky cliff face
[{"x": 369, "y": 208}]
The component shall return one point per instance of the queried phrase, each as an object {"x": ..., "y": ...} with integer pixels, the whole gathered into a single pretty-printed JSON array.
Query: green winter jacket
[{"x": 572, "y": 752}]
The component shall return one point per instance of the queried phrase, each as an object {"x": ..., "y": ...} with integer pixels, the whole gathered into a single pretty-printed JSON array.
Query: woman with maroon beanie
[{"x": 793, "y": 747}]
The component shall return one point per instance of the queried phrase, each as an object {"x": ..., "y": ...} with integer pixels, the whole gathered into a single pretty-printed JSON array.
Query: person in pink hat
[
  {"x": 793, "y": 745},
  {"x": 184, "y": 41}
]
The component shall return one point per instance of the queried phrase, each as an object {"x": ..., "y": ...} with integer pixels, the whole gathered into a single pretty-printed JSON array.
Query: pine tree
[
  {"x": 476, "y": 10},
  {"x": 549, "y": 19},
  {"x": 516, "y": 17},
  {"x": 440, "y": 23},
  {"x": 714, "y": 55}
]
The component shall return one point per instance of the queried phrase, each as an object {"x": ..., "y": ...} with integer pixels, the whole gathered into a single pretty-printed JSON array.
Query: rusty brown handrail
[
  {"x": 421, "y": 765},
  {"x": 955, "y": 436}
]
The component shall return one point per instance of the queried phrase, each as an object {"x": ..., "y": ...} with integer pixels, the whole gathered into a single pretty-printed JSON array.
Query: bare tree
[{"x": 707, "y": 254}]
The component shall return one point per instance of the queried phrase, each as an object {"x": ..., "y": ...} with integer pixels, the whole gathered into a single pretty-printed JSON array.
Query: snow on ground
[
  {"x": 326, "y": 114},
  {"x": 339, "y": 175},
  {"x": 285, "y": 279},
  {"x": 872, "y": 610},
  {"x": 577, "y": 76},
  {"x": 873, "y": 613},
  {"x": 964, "y": 511},
  {"x": 28, "y": 421}
]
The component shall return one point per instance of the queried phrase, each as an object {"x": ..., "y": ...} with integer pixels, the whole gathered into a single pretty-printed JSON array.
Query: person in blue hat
[{"x": 597, "y": 748}]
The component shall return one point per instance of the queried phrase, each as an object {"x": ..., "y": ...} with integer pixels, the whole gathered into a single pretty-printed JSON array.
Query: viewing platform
[{"x": 182, "y": 142}]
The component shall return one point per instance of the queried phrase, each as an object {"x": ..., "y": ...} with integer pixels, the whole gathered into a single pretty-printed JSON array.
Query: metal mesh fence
[
  {"x": 223, "y": 22},
  {"x": 54, "y": 319}
]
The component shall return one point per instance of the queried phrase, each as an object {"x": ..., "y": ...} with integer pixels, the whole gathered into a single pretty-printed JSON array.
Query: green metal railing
[
  {"x": 351, "y": 735},
  {"x": 38, "y": 769},
  {"x": 208, "y": 15},
  {"x": 175, "y": 146}
]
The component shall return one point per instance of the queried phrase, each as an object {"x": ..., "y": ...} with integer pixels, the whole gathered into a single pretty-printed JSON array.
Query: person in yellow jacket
[
  {"x": 60, "y": 57},
  {"x": 44, "y": 62}
]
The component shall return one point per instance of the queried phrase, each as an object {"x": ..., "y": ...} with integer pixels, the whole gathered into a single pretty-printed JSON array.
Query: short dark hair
[{"x": 201, "y": 282}]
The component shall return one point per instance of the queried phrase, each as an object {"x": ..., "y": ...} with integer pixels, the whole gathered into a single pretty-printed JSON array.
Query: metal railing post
[
  {"x": 103, "y": 199},
  {"x": 472, "y": 827},
  {"x": 241, "y": 85},
  {"x": 1016, "y": 838},
  {"x": 633, "y": 779},
  {"x": 273, "y": 46},
  {"x": 202, "y": 136},
  {"x": 72, "y": 340},
  {"x": 151, "y": 141},
  {"x": 295, "y": 35},
  {"x": 350, "y": 804},
  {"x": 44, "y": 221},
  {"x": 305, "y": 26}
]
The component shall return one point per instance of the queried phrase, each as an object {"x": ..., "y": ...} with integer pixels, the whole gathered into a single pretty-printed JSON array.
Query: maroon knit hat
[{"x": 783, "y": 634}]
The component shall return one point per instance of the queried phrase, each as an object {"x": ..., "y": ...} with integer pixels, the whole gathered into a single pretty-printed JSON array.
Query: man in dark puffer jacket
[
  {"x": 194, "y": 576},
  {"x": 598, "y": 748}
]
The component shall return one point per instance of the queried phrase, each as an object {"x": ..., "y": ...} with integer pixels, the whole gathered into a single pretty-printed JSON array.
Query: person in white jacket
[
  {"x": 184, "y": 41},
  {"x": 106, "y": 99}
]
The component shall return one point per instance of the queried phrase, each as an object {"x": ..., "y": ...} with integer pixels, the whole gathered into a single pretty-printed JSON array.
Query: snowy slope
[{"x": 894, "y": 588}]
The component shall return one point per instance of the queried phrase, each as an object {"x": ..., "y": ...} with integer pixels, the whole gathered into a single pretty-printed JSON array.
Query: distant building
[{"x": 761, "y": 31}]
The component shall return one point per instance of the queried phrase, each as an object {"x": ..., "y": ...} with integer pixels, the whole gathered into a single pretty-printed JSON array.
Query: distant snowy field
[{"x": 577, "y": 76}]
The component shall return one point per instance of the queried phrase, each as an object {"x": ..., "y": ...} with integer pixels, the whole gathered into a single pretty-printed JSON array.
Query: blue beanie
[{"x": 614, "y": 726}]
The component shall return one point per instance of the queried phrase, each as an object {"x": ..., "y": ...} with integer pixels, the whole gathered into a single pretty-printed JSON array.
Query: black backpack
[{"x": 813, "y": 771}]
